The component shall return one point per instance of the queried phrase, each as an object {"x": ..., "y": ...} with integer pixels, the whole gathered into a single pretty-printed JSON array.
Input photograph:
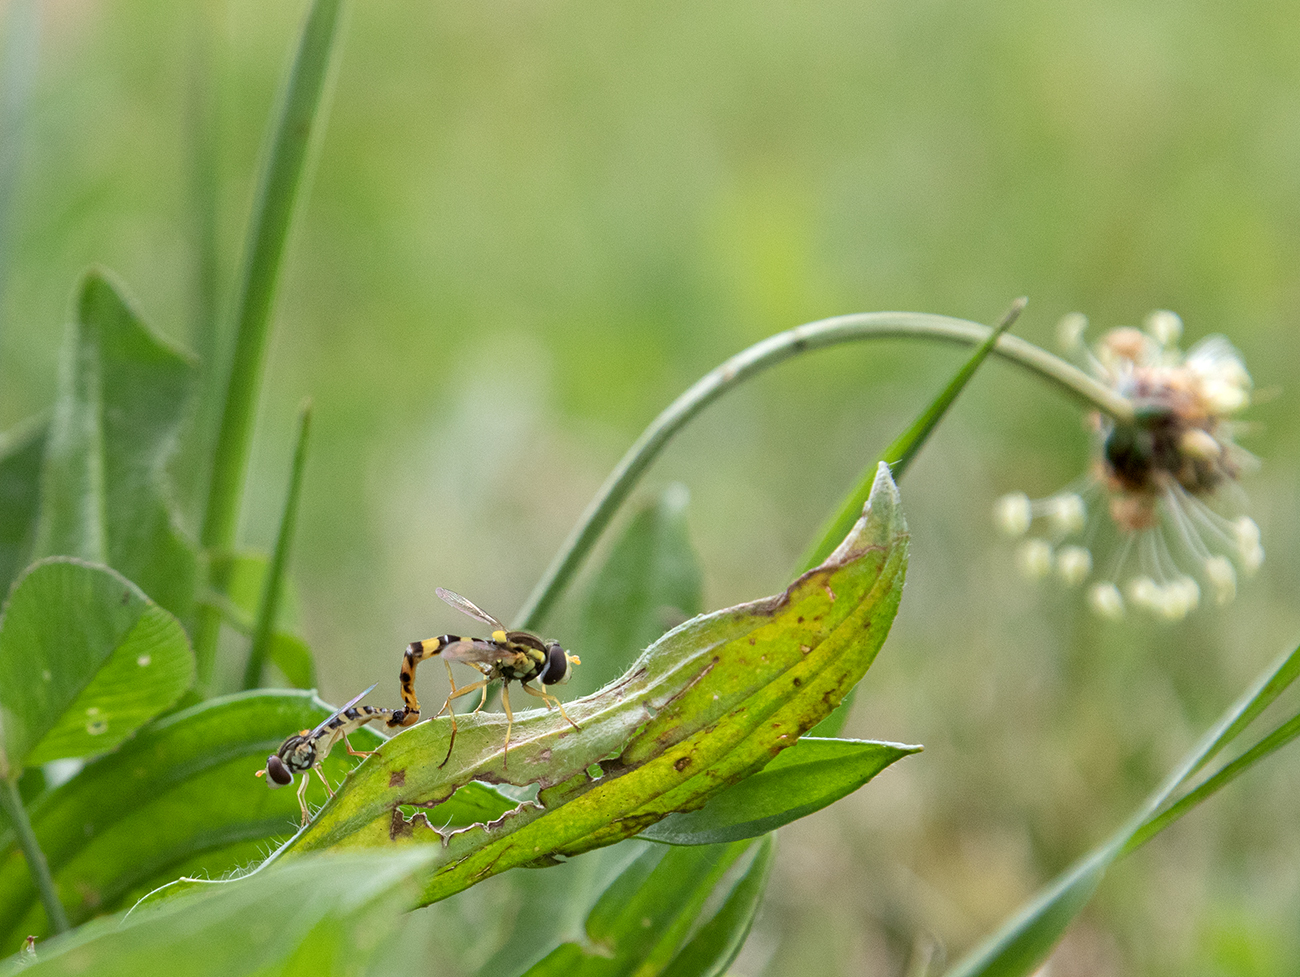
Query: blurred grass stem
[
  {"x": 12, "y": 803},
  {"x": 768, "y": 353},
  {"x": 281, "y": 179},
  {"x": 269, "y": 605}
]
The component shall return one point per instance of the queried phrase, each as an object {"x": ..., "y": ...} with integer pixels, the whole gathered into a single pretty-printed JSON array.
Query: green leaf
[
  {"x": 646, "y": 914},
  {"x": 85, "y": 660},
  {"x": 805, "y": 778},
  {"x": 20, "y": 493},
  {"x": 716, "y": 944},
  {"x": 104, "y": 496},
  {"x": 325, "y": 915},
  {"x": 709, "y": 704},
  {"x": 181, "y": 798},
  {"x": 1024, "y": 941},
  {"x": 649, "y": 583}
]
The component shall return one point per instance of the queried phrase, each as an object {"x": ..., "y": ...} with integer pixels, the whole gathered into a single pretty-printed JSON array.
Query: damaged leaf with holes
[{"x": 706, "y": 706}]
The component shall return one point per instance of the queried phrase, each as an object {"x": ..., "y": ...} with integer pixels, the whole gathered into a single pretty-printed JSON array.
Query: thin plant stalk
[
  {"x": 764, "y": 355},
  {"x": 280, "y": 182},
  {"x": 1025, "y": 940},
  {"x": 1271, "y": 743},
  {"x": 12, "y": 803},
  {"x": 207, "y": 336},
  {"x": 273, "y": 585}
]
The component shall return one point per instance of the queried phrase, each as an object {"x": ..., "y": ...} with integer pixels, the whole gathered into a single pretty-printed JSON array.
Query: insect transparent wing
[
  {"x": 341, "y": 709},
  {"x": 470, "y": 608},
  {"x": 472, "y": 650}
]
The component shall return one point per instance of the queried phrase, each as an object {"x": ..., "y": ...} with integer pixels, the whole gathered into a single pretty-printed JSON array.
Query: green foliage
[
  {"x": 329, "y": 915},
  {"x": 20, "y": 468},
  {"x": 900, "y": 452},
  {"x": 709, "y": 704},
  {"x": 179, "y": 797},
  {"x": 85, "y": 660},
  {"x": 805, "y": 778},
  {"x": 266, "y": 642},
  {"x": 697, "y": 744},
  {"x": 1026, "y": 939},
  {"x": 651, "y": 919},
  {"x": 122, "y": 395},
  {"x": 237, "y": 583},
  {"x": 649, "y": 583}
]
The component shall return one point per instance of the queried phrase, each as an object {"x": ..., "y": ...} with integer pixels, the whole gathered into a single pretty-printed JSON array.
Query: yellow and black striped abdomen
[{"x": 416, "y": 652}]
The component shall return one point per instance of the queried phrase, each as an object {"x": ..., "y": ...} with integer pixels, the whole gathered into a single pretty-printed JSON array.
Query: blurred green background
[{"x": 532, "y": 224}]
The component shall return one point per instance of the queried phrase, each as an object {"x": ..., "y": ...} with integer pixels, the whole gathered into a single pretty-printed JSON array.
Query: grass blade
[
  {"x": 281, "y": 180},
  {"x": 1026, "y": 940},
  {"x": 904, "y": 448},
  {"x": 273, "y": 584}
]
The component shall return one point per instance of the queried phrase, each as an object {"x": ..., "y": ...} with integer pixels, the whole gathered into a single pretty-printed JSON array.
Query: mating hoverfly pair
[{"x": 506, "y": 656}]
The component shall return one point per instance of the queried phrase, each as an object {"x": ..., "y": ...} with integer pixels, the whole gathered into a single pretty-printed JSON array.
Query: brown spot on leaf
[
  {"x": 397, "y": 778},
  {"x": 682, "y": 764},
  {"x": 806, "y": 649},
  {"x": 829, "y": 593},
  {"x": 752, "y": 639},
  {"x": 399, "y": 827},
  {"x": 797, "y": 682}
]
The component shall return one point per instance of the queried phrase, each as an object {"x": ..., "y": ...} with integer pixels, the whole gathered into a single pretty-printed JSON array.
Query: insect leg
[
  {"x": 353, "y": 752},
  {"x": 446, "y": 707},
  {"x": 548, "y": 699},
  {"x": 483, "y": 699},
  {"x": 302, "y": 799},
  {"x": 321, "y": 773},
  {"x": 510, "y": 721}
]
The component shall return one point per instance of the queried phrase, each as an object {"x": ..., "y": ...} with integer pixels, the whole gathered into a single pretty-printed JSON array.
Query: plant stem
[
  {"x": 12, "y": 802},
  {"x": 274, "y": 583},
  {"x": 281, "y": 179},
  {"x": 763, "y": 355}
]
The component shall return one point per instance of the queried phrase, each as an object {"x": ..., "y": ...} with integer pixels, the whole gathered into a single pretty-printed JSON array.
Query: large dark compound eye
[
  {"x": 557, "y": 666},
  {"x": 278, "y": 775}
]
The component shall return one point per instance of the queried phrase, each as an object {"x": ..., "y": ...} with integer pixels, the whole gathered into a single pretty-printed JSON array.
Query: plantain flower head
[{"x": 1145, "y": 504}]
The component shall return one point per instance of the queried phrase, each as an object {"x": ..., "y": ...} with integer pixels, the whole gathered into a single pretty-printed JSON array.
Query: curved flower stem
[{"x": 768, "y": 353}]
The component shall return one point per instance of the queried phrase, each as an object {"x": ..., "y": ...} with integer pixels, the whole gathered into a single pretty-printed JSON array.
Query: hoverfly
[
  {"x": 304, "y": 751},
  {"x": 505, "y": 657}
]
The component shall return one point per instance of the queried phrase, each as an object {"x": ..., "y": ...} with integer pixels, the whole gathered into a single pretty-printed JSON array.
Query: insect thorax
[
  {"x": 300, "y": 755},
  {"x": 526, "y": 666}
]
